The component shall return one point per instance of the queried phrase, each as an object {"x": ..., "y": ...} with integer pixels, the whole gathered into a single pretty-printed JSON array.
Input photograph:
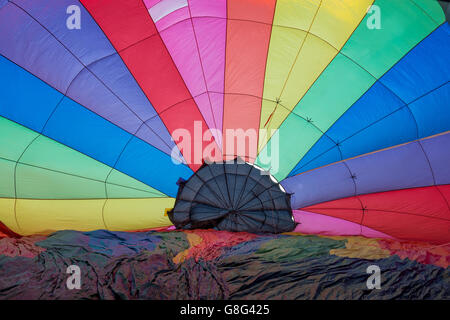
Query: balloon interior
[{"x": 321, "y": 124}]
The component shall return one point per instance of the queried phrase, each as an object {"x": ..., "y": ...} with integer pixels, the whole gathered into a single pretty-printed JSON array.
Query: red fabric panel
[
  {"x": 124, "y": 22},
  {"x": 156, "y": 73},
  {"x": 419, "y": 214},
  {"x": 246, "y": 54},
  {"x": 445, "y": 191},
  {"x": 132, "y": 32},
  {"x": 408, "y": 227},
  {"x": 349, "y": 209},
  {"x": 426, "y": 201},
  {"x": 6, "y": 232}
]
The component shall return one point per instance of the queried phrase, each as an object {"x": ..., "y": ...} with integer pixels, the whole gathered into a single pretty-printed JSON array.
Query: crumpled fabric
[
  {"x": 208, "y": 264},
  {"x": 20, "y": 247}
]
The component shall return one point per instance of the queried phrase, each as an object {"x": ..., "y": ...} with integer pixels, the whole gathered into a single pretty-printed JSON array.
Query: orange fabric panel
[
  {"x": 249, "y": 27},
  {"x": 253, "y": 10},
  {"x": 242, "y": 108}
]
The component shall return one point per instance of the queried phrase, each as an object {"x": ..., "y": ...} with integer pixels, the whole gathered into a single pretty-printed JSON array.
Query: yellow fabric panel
[
  {"x": 294, "y": 62},
  {"x": 312, "y": 60},
  {"x": 284, "y": 45},
  {"x": 265, "y": 135},
  {"x": 134, "y": 214},
  {"x": 295, "y": 14},
  {"x": 7, "y": 214},
  {"x": 337, "y": 19},
  {"x": 38, "y": 216}
]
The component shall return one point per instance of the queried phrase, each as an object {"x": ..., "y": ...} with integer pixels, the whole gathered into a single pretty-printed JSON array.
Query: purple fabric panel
[
  {"x": 88, "y": 44},
  {"x": 91, "y": 93},
  {"x": 157, "y": 127},
  {"x": 398, "y": 168},
  {"x": 114, "y": 74},
  {"x": 405, "y": 166},
  {"x": 108, "y": 89},
  {"x": 319, "y": 185},
  {"x": 26, "y": 43},
  {"x": 437, "y": 150}
]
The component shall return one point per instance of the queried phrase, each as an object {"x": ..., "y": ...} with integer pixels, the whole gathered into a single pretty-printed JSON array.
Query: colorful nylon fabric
[
  {"x": 358, "y": 115},
  {"x": 209, "y": 264}
]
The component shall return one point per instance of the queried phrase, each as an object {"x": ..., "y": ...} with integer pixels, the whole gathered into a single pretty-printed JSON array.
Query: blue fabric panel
[{"x": 396, "y": 109}]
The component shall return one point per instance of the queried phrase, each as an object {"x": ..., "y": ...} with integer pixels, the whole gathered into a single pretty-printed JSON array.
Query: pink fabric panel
[
  {"x": 172, "y": 19},
  {"x": 313, "y": 223},
  {"x": 206, "y": 110},
  {"x": 211, "y": 42},
  {"x": 217, "y": 106},
  {"x": 180, "y": 41},
  {"x": 165, "y": 8},
  {"x": 150, "y": 3},
  {"x": 198, "y": 49},
  {"x": 208, "y": 8}
]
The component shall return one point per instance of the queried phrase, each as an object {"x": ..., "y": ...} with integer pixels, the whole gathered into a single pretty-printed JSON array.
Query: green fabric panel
[
  {"x": 432, "y": 8},
  {"x": 14, "y": 138},
  {"x": 39, "y": 183},
  {"x": 403, "y": 25},
  {"x": 342, "y": 76},
  {"x": 46, "y": 153},
  {"x": 7, "y": 178},
  {"x": 274, "y": 155},
  {"x": 134, "y": 188},
  {"x": 116, "y": 191},
  {"x": 49, "y": 154}
]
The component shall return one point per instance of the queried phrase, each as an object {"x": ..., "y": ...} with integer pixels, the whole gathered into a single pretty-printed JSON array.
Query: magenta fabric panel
[
  {"x": 314, "y": 223},
  {"x": 194, "y": 33}
]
